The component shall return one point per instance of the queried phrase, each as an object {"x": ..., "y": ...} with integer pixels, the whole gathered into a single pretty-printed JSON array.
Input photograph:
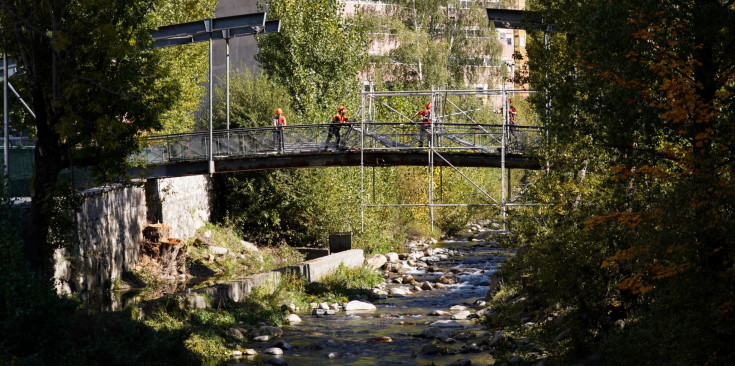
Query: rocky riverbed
[{"x": 427, "y": 311}]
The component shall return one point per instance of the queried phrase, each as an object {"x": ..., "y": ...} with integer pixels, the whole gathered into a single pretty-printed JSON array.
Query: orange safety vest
[
  {"x": 279, "y": 121},
  {"x": 426, "y": 117},
  {"x": 339, "y": 118}
]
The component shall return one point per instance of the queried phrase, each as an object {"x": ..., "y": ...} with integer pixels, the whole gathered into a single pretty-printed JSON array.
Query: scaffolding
[{"x": 442, "y": 110}]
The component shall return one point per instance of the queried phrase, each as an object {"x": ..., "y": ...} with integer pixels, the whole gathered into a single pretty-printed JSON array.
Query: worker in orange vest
[
  {"x": 279, "y": 122},
  {"x": 512, "y": 112},
  {"x": 425, "y": 123},
  {"x": 337, "y": 122}
]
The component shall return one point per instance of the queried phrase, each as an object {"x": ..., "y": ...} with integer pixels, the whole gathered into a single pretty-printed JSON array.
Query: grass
[
  {"x": 239, "y": 262},
  {"x": 344, "y": 283}
]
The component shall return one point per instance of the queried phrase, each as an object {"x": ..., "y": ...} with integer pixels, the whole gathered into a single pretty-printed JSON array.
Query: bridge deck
[
  {"x": 385, "y": 144},
  {"x": 383, "y": 158}
]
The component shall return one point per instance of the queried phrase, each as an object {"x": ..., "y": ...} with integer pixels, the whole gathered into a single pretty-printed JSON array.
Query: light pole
[{"x": 210, "y": 30}]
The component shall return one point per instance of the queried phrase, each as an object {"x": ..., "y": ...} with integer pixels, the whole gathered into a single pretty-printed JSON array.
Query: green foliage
[
  {"x": 637, "y": 212},
  {"x": 253, "y": 100},
  {"x": 186, "y": 65},
  {"x": 39, "y": 328},
  {"x": 433, "y": 45},
  {"x": 317, "y": 55},
  {"x": 240, "y": 262},
  {"x": 94, "y": 83},
  {"x": 343, "y": 283}
]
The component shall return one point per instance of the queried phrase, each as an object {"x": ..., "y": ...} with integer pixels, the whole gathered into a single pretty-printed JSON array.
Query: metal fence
[{"x": 298, "y": 139}]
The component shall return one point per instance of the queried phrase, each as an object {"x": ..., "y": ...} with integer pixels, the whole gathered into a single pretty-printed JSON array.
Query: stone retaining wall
[
  {"x": 110, "y": 222},
  {"x": 182, "y": 203}
]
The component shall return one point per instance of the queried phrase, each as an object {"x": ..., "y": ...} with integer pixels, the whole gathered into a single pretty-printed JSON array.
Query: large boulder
[
  {"x": 392, "y": 257},
  {"x": 355, "y": 305},
  {"x": 293, "y": 319},
  {"x": 273, "y": 351},
  {"x": 377, "y": 260}
]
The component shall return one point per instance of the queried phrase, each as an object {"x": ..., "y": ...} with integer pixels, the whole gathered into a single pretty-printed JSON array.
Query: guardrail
[{"x": 298, "y": 139}]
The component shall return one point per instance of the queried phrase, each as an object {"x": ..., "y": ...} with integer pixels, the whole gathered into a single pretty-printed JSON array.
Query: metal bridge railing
[{"x": 312, "y": 138}]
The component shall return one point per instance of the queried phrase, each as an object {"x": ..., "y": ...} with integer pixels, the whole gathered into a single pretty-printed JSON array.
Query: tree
[
  {"x": 254, "y": 99},
  {"x": 93, "y": 86},
  {"x": 640, "y": 200},
  {"x": 187, "y": 64},
  {"x": 436, "y": 42},
  {"x": 317, "y": 55}
]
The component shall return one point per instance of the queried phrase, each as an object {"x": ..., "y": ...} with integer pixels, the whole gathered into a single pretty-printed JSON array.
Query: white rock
[
  {"x": 323, "y": 305},
  {"x": 462, "y": 315},
  {"x": 392, "y": 257},
  {"x": 249, "y": 246},
  {"x": 457, "y": 308},
  {"x": 377, "y": 260},
  {"x": 399, "y": 292},
  {"x": 355, "y": 305},
  {"x": 218, "y": 250},
  {"x": 273, "y": 351},
  {"x": 449, "y": 323},
  {"x": 293, "y": 319},
  {"x": 250, "y": 352}
]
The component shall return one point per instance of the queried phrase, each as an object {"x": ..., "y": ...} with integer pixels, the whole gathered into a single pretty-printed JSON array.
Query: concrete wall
[
  {"x": 313, "y": 270},
  {"x": 110, "y": 223}
]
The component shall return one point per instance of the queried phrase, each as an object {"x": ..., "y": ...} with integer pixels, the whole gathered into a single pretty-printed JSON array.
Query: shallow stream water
[{"x": 346, "y": 339}]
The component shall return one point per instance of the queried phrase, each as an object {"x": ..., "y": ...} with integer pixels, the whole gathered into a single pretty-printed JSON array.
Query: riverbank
[{"x": 428, "y": 308}]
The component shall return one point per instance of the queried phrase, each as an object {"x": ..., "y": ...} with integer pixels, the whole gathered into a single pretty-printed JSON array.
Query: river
[{"x": 354, "y": 339}]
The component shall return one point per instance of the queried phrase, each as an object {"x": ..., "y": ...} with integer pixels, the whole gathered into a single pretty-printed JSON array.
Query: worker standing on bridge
[
  {"x": 337, "y": 122},
  {"x": 425, "y": 123},
  {"x": 279, "y": 121},
  {"x": 512, "y": 112}
]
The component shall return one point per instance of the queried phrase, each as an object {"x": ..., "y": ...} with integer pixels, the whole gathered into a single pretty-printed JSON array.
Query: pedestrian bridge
[{"x": 361, "y": 144}]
